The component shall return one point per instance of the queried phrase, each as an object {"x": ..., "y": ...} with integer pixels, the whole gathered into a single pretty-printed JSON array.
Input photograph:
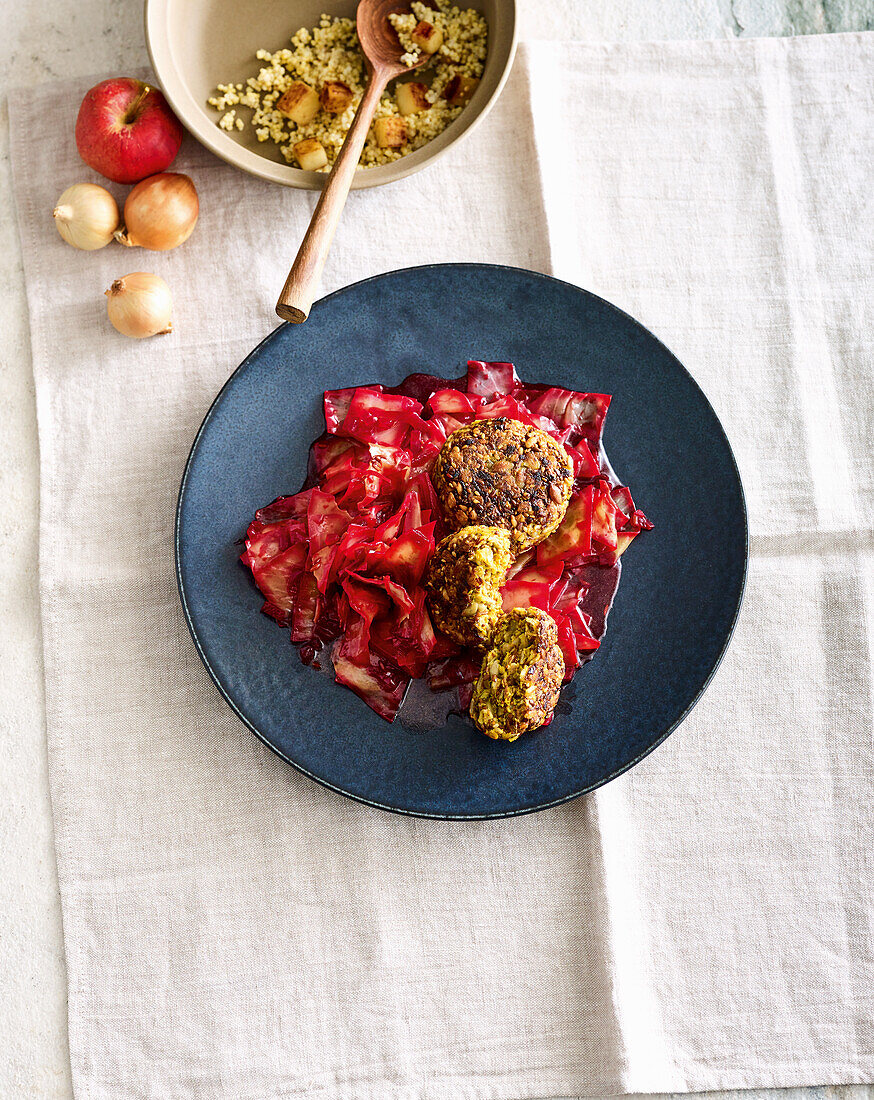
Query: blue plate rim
[{"x": 523, "y": 810}]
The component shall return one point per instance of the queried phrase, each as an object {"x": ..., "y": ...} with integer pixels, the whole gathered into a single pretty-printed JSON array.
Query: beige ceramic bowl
[{"x": 194, "y": 44}]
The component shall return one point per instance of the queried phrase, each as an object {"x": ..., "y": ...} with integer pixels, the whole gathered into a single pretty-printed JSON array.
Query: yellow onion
[
  {"x": 160, "y": 212},
  {"x": 140, "y": 305},
  {"x": 86, "y": 216}
]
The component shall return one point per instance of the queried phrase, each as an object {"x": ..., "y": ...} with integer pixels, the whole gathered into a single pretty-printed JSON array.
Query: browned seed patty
[
  {"x": 502, "y": 473},
  {"x": 463, "y": 583},
  {"x": 521, "y": 675}
]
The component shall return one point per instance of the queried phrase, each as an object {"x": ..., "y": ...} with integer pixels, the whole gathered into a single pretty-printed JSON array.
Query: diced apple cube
[
  {"x": 299, "y": 103},
  {"x": 459, "y": 89},
  {"x": 391, "y": 132},
  {"x": 427, "y": 37},
  {"x": 310, "y": 154},
  {"x": 412, "y": 98},
  {"x": 335, "y": 96}
]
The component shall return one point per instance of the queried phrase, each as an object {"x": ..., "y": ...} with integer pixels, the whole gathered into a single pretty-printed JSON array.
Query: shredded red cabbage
[{"x": 341, "y": 562}]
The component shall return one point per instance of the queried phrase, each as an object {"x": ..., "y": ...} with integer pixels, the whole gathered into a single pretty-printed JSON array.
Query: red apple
[{"x": 126, "y": 131}]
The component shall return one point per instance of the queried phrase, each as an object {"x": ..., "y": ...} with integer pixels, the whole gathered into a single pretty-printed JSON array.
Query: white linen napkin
[{"x": 232, "y": 929}]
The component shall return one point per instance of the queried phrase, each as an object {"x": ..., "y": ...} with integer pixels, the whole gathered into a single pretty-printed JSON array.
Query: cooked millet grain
[{"x": 330, "y": 52}]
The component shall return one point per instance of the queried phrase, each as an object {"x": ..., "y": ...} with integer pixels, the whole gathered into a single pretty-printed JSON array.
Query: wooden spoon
[{"x": 382, "y": 53}]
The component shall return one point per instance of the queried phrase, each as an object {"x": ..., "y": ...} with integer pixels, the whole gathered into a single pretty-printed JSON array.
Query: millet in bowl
[{"x": 304, "y": 96}]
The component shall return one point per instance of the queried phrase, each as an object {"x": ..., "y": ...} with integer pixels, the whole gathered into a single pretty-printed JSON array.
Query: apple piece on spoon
[{"x": 126, "y": 131}]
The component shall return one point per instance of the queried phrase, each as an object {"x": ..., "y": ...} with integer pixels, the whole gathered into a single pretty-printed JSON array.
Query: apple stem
[{"x": 134, "y": 108}]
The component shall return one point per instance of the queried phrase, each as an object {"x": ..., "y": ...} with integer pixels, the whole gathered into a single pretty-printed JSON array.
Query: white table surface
[{"x": 41, "y": 42}]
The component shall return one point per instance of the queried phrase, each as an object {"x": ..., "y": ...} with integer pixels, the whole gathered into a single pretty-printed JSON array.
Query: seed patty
[
  {"x": 521, "y": 675},
  {"x": 464, "y": 578},
  {"x": 502, "y": 473}
]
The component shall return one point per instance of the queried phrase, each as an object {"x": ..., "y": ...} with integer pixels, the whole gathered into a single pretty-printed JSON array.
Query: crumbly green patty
[
  {"x": 464, "y": 578},
  {"x": 502, "y": 473},
  {"x": 521, "y": 675}
]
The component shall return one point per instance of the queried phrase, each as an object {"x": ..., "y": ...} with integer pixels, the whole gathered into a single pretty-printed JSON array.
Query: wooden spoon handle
[{"x": 306, "y": 271}]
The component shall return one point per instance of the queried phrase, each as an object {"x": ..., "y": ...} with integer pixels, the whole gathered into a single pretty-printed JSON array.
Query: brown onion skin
[{"x": 160, "y": 212}]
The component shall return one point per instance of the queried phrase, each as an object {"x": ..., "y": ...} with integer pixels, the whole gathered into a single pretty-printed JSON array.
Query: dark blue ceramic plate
[{"x": 681, "y": 583}]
